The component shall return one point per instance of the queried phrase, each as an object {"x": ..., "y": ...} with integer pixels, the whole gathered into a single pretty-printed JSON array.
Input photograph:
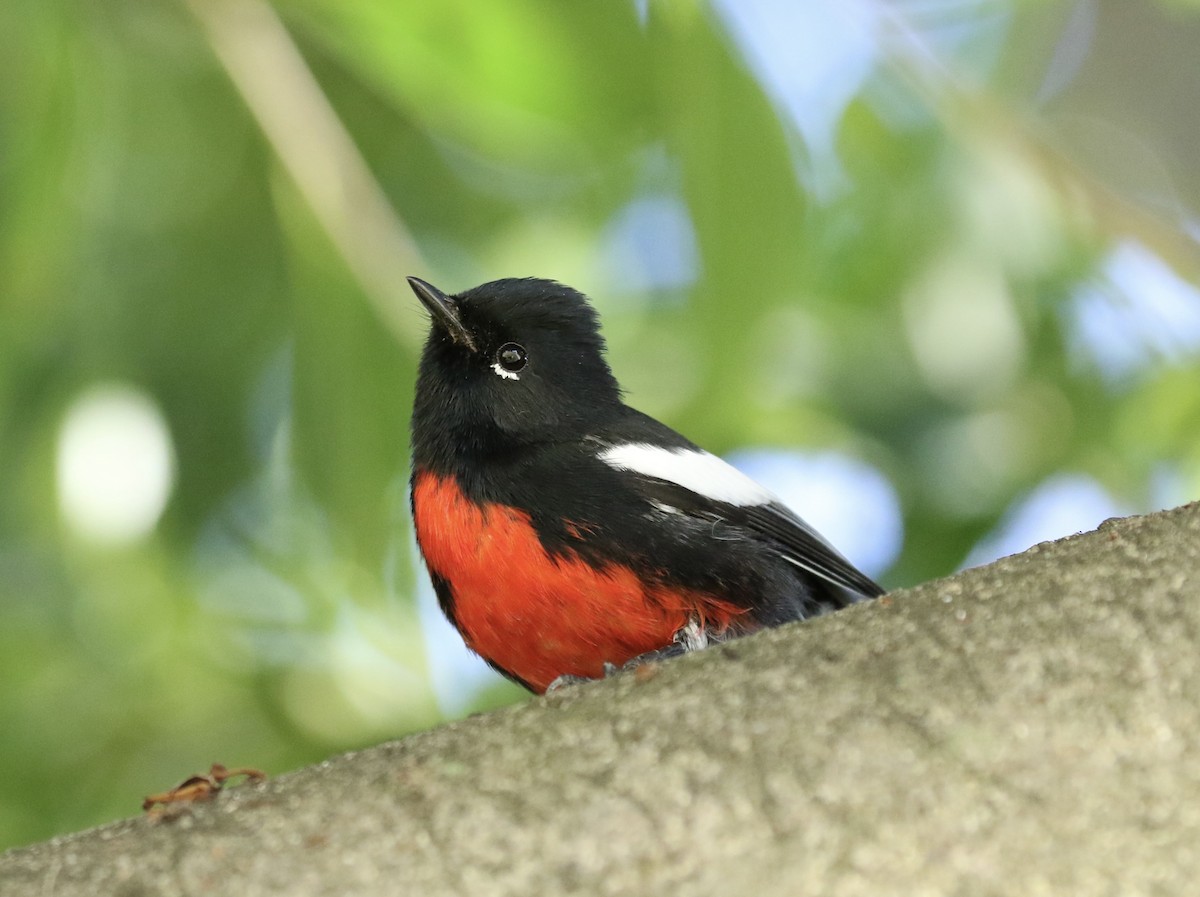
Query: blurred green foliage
[{"x": 179, "y": 221}]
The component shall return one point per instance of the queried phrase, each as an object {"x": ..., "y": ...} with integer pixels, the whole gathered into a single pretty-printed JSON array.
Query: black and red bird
[{"x": 562, "y": 529}]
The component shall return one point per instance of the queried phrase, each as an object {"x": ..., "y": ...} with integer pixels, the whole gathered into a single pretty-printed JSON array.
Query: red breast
[{"x": 538, "y": 616}]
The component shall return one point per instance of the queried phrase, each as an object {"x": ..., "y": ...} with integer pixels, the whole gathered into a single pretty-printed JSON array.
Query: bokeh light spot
[
  {"x": 964, "y": 331},
  {"x": 1137, "y": 313},
  {"x": 115, "y": 465}
]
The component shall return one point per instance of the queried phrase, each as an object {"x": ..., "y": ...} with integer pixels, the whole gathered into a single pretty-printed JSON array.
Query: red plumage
[{"x": 537, "y": 616}]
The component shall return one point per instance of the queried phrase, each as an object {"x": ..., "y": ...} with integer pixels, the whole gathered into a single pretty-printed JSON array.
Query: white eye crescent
[{"x": 507, "y": 375}]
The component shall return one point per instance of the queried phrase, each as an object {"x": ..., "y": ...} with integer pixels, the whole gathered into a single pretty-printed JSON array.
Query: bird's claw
[
  {"x": 692, "y": 636},
  {"x": 565, "y": 681}
]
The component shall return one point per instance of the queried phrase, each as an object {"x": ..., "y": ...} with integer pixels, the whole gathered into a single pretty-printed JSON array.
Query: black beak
[{"x": 444, "y": 311}]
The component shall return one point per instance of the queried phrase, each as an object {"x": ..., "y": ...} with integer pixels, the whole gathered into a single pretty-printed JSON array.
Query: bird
[{"x": 568, "y": 535}]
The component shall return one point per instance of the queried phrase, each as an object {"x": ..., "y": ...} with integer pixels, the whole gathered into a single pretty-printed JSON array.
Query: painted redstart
[{"x": 565, "y": 532}]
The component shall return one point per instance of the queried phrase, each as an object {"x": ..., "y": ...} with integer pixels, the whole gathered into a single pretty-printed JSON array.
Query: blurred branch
[
  {"x": 1012, "y": 725},
  {"x": 285, "y": 99},
  {"x": 964, "y": 104}
]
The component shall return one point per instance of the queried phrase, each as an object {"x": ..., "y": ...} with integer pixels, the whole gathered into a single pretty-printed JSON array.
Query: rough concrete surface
[{"x": 1024, "y": 728}]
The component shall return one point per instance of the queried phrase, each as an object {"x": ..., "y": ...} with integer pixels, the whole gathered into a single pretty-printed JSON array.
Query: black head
[{"x": 506, "y": 365}]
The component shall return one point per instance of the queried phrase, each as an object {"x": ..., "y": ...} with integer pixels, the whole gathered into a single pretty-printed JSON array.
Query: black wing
[{"x": 797, "y": 542}]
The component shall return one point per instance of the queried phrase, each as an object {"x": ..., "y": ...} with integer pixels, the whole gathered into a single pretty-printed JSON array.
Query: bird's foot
[
  {"x": 566, "y": 680},
  {"x": 691, "y": 637}
]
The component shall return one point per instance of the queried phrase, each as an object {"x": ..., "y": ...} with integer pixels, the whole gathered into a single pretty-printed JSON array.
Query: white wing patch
[{"x": 701, "y": 472}]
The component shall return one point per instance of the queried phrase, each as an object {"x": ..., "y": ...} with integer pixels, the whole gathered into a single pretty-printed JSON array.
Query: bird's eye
[{"x": 511, "y": 357}]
